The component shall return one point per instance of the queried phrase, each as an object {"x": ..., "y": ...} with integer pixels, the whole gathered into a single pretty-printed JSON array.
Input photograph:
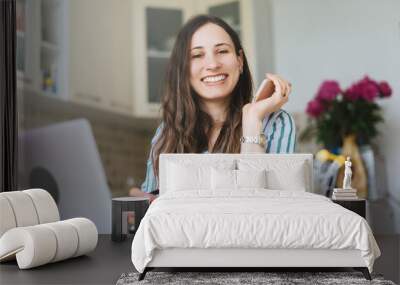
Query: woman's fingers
[
  {"x": 271, "y": 95},
  {"x": 275, "y": 80},
  {"x": 289, "y": 89},
  {"x": 284, "y": 85}
]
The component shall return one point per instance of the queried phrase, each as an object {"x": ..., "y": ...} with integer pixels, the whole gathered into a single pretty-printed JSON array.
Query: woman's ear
[{"x": 240, "y": 59}]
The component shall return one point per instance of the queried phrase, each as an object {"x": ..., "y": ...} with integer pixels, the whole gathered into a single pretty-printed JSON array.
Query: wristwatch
[{"x": 260, "y": 139}]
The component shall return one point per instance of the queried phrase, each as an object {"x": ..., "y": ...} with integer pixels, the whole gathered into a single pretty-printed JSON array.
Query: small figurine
[{"x": 347, "y": 174}]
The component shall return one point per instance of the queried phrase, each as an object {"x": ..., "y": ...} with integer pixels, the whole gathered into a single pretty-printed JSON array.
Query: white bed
[{"x": 200, "y": 220}]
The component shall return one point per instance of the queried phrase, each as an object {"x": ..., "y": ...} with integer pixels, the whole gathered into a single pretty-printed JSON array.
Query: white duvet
[{"x": 252, "y": 218}]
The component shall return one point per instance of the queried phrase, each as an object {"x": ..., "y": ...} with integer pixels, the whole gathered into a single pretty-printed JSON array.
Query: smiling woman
[{"x": 208, "y": 105}]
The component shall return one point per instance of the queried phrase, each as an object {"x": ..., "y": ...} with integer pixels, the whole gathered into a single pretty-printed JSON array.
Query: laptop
[{"x": 63, "y": 159}]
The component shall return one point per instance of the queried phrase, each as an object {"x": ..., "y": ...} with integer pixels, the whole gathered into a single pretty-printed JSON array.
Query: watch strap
[{"x": 250, "y": 139}]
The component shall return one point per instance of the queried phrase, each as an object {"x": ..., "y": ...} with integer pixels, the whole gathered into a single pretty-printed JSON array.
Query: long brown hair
[{"x": 185, "y": 127}]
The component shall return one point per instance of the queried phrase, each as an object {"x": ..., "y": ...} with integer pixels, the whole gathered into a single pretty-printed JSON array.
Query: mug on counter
[{"x": 127, "y": 212}]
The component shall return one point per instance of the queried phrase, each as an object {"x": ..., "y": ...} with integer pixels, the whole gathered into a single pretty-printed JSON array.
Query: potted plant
[{"x": 347, "y": 118}]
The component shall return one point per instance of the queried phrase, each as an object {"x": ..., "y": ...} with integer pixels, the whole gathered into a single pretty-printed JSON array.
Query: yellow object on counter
[{"x": 324, "y": 155}]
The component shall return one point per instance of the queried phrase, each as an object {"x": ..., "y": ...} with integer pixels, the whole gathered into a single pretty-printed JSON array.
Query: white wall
[
  {"x": 263, "y": 37},
  {"x": 314, "y": 40}
]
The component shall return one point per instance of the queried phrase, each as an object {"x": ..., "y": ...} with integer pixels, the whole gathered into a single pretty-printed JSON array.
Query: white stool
[{"x": 31, "y": 230}]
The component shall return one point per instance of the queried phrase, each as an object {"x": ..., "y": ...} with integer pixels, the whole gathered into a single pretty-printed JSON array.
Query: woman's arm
[
  {"x": 136, "y": 192},
  {"x": 272, "y": 95},
  {"x": 150, "y": 183},
  {"x": 251, "y": 127},
  {"x": 280, "y": 132}
]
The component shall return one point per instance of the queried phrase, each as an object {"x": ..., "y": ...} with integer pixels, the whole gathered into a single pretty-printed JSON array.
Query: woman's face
[{"x": 214, "y": 66}]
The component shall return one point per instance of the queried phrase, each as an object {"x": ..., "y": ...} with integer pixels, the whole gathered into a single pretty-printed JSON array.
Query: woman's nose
[{"x": 212, "y": 62}]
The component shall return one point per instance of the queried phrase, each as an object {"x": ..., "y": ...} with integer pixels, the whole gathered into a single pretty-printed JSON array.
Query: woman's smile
[{"x": 212, "y": 80}]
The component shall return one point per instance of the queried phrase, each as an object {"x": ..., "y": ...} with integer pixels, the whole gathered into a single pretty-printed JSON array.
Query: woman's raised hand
[{"x": 272, "y": 94}]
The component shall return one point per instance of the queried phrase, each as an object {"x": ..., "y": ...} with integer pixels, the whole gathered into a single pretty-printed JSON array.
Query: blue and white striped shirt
[{"x": 278, "y": 128}]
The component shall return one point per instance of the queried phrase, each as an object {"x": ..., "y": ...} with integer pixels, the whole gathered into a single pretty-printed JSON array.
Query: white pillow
[
  {"x": 223, "y": 179},
  {"x": 282, "y": 174},
  {"x": 251, "y": 178},
  {"x": 187, "y": 173},
  {"x": 293, "y": 180},
  {"x": 227, "y": 179},
  {"x": 181, "y": 177}
]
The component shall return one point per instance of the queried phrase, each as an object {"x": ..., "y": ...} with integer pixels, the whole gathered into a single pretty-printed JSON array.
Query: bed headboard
[{"x": 211, "y": 159}]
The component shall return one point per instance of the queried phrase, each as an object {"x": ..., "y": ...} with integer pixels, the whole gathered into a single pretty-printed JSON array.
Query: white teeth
[{"x": 214, "y": 78}]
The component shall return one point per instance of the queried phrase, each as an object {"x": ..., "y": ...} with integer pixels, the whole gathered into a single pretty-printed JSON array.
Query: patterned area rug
[{"x": 230, "y": 278}]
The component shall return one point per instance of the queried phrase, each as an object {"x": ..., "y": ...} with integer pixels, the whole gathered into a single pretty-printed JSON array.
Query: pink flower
[
  {"x": 314, "y": 108},
  {"x": 352, "y": 93},
  {"x": 365, "y": 89},
  {"x": 385, "y": 89},
  {"x": 328, "y": 90},
  {"x": 369, "y": 89},
  {"x": 370, "y": 92}
]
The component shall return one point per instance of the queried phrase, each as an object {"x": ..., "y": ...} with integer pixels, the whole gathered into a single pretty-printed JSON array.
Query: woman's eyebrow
[
  {"x": 221, "y": 44},
  {"x": 217, "y": 45}
]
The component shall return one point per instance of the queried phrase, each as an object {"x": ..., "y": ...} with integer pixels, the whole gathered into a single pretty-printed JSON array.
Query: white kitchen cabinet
[
  {"x": 155, "y": 25},
  {"x": 99, "y": 54},
  {"x": 76, "y": 50}
]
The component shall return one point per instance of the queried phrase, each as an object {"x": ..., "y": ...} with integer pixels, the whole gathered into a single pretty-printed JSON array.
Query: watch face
[{"x": 263, "y": 140}]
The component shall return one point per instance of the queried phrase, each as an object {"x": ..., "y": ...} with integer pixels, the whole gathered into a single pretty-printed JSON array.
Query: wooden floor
[
  {"x": 389, "y": 262},
  {"x": 110, "y": 260}
]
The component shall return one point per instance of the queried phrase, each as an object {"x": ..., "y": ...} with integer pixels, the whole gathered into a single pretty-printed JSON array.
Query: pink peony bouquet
[{"x": 335, "y": 113}]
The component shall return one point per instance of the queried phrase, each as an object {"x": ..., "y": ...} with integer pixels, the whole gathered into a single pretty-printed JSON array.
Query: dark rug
[{"x": 228, "y": 278}]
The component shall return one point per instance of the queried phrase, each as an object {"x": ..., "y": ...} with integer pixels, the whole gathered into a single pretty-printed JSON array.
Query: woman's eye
[
  {"x": 196, "y": 55},
  {"x": 223, "y": 51}
]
